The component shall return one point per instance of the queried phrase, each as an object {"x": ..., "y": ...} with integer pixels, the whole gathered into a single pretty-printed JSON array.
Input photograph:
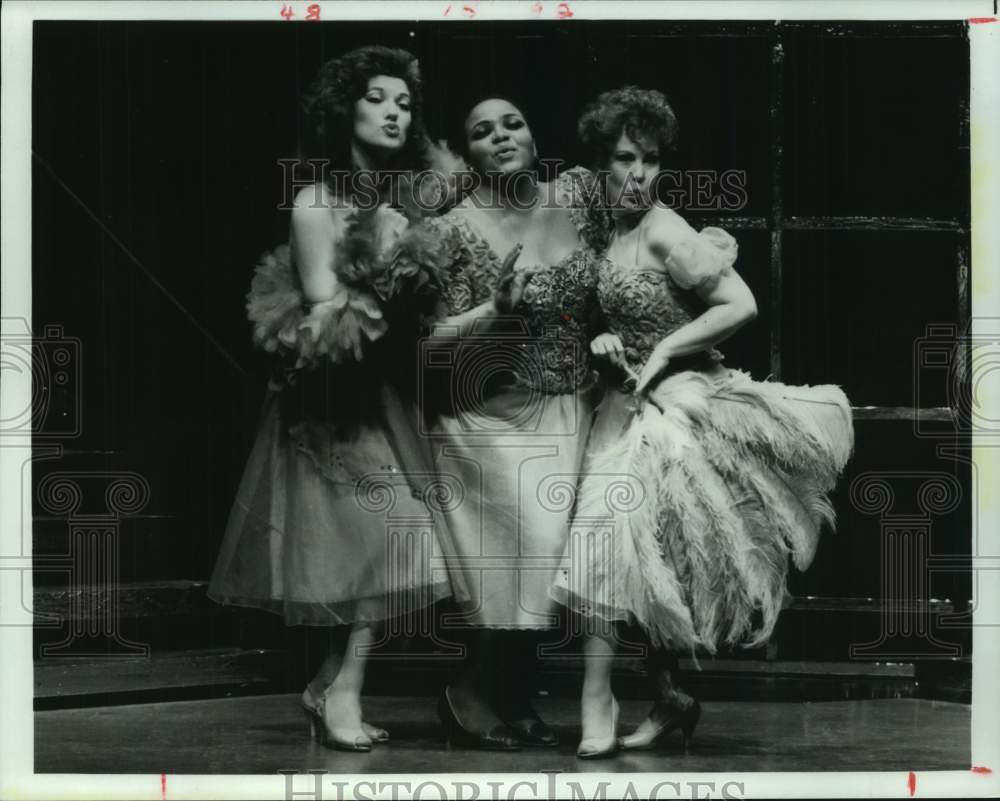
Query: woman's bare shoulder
[
  {"x": 318, "y": 201},
  {"x": 318, "y": 214},
  {"x": 665, "y": 217}
]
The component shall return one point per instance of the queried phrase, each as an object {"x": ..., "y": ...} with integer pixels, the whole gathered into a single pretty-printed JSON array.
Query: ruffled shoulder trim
[
  {"x": 578, "y": 189},
  {"x": 574, "y": 184},
  {"x": 435, "y": 189},
  {"x": 454, "y": 240},
  {"x": 699, "y": 261},
  {"x": 414, "y": 272},
  {"x": 444, "y": 226},
  {"x": 372, "y": 278}
]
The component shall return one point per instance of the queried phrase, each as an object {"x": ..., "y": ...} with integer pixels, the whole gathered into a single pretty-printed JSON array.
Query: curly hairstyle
[
  {"x": 640, "y": 113},
  {"x": 329, "y": 104}
]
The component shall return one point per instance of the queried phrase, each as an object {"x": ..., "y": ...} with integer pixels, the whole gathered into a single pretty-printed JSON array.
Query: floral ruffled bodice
[
  {"x": 642, "y": 306},
  {"x": 471, "y": 268},
  {"x": 381, "y": 274},
  {"x": 555, "y": 311},
  {"x": 557, "y": 308}
]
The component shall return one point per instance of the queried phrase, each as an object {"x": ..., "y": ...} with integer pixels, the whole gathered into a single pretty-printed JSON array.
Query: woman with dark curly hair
[
  {"x": 354, "y": 108},
  {"x": 707, "y": 480},
  {"x": 310, "y": 535}
]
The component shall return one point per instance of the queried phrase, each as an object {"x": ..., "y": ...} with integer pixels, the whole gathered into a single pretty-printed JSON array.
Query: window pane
[
  {"x": 718, "y": 87},
  {"x": 848, "y": 562},
  {"x": 855, "y": 304},
  {"x": 874, "y": 126}
]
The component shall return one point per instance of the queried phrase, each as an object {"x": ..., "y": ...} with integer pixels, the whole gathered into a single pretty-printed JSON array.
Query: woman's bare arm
[
  {"x": 730, "y": 302},
  {"x": 314, "y": 236}
]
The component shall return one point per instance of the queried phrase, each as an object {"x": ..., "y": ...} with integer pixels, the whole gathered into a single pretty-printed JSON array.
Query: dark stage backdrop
[{"x": 156, "y": 185}]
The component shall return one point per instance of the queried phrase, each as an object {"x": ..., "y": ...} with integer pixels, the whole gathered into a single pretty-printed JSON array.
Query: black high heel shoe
[
  {"x": 510, "y": 691},
  {"x": 499, "y": 738},
  {"x": 528, "y": 727},
  {"x": 676, "y": 718},
  {"x": 670, "y": 712},
  {"x": 534, "y": 732}
]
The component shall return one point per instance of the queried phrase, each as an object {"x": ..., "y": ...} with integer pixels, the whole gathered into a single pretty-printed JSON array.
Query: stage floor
[{"x": 265, "y": 734}]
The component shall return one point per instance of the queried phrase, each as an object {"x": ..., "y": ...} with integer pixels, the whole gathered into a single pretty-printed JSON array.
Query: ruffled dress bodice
[
  {"x": 642, "y": 306},
  {"x": 692, "y": 505},
  {"x": 518, "y": 421},
  {"x": 556, "y": 310}
]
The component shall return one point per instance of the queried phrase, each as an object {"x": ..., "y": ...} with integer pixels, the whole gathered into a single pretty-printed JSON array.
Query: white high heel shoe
[{"x": 601, "y": 747}]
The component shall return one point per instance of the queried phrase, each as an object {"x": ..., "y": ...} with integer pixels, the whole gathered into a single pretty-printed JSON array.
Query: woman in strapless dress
[
  {"x": 699, "y": 483},
  {"x": 519, "y": 287},
  {"x": 322, "y": 530}
]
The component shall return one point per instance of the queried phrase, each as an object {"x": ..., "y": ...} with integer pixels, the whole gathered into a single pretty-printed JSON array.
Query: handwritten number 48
[{"x": 312, "y": 12}]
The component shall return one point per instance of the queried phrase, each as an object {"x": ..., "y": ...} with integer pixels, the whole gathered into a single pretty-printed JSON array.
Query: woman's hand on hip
[{"x": 657, "y": 362}]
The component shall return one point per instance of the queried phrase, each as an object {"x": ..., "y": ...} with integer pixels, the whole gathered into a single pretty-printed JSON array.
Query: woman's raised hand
[{"x": 510, "y": 286}]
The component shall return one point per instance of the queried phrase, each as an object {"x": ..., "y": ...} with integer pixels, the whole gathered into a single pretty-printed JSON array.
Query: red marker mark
[
  {"x": 981, "y": 769},
  {"x": 163, "y": 785},
  {"x": 287, "y": 13},
  {"x": 912, "y": 783},
  {"x": 567, "y": 317},
  {"x": 978, "y": 20},
  {"x": 538, "y": 8},
  {"x": 312, "y": 12},
  {"x": 469, "y": 11},
  {"x": 564, "y": 11}
]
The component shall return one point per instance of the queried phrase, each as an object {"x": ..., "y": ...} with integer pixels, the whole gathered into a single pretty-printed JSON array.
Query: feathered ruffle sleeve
[
  {"x": 375, "y": 288},
  {"x": 283, "y": 322},
  {"x": 437, "y": 188},
  {"x": 700, "y": 260},
  {"x": 578, "y": 189}
]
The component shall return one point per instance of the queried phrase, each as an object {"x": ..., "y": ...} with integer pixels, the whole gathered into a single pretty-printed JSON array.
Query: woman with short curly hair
[
  {"x": 711, "y": 480},
  {"x": 636, "y": 113}
]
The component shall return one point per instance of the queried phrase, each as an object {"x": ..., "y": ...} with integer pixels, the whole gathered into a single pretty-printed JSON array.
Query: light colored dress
[
  {"x": 691, "y": 505},
  {"x": 325, "y": 528},
  {"x": 520, "y": 412}
]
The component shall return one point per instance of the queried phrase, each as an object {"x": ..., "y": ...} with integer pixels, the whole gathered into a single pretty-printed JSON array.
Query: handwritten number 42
[{"x": 312, "y": 12}]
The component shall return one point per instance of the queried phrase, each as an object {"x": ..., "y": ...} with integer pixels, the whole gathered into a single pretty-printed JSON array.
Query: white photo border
[{"x": 17, "y": 780}]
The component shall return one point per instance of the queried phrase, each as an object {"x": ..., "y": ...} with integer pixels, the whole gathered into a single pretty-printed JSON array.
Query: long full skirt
[
  {"x": 692, "y": 505},
  {"x": 514, "y": 465},
  {"x": 326, "y": 528}
]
